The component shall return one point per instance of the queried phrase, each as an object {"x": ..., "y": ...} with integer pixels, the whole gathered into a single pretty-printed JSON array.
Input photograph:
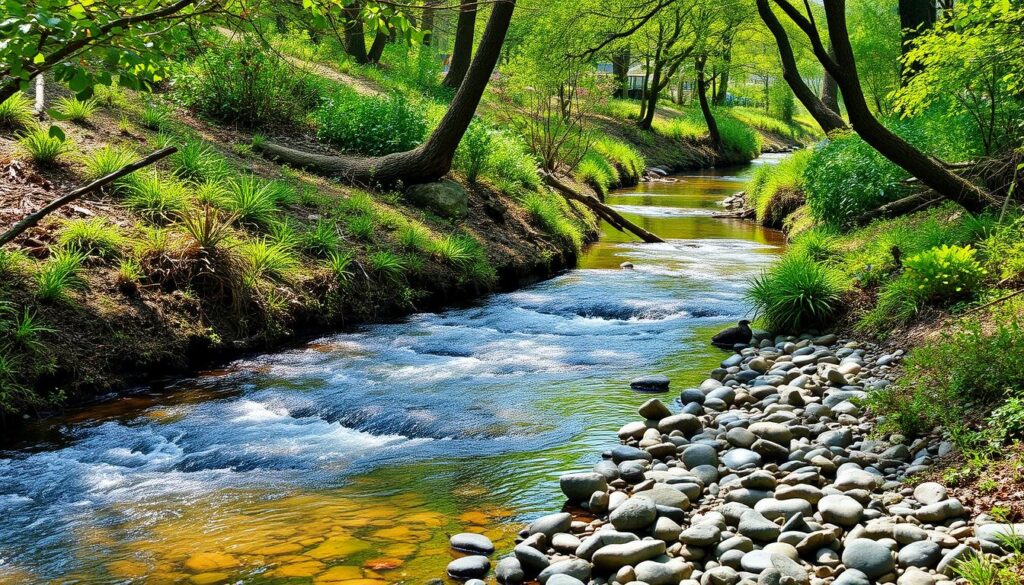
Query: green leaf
[{"x": 56, "y": 132}]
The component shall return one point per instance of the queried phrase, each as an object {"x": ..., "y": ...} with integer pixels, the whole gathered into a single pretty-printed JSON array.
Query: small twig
[
  {"x": 995, "y": 302},
  {"x": 33, "y": 218}
]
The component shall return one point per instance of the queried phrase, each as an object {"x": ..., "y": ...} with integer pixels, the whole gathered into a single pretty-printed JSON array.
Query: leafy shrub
[
  {"x": 16, "y": 112},
  {"x": 630, "y": 161},
  {"x": 44, "y": 149},
  {"x": 471, "y": 156},
  {"x": 369, "y": 124},
  {"x": 76, "y": 110},
  {"x": 91, "y": 236},
  {"x": 597, "y": 172},
  {"x": 1003, "y": 250},
  {"x": 797, "y": 293},
  {"x": 847, "y": 178},
  {"x": 60, "y": 274},
  {"x": 945, "y": 273},
  {"x": 959, "y": 377},
  {"x": 244, "y": 83}
]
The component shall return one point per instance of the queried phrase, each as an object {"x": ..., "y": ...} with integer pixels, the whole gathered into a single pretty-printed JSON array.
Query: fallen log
[
  {"x": 614, "y": 218},
  {"x": 33, "y": 219},
  {"x": 908, "y": 204}
]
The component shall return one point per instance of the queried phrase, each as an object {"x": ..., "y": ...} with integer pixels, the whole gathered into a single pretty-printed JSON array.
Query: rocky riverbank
[{"x": 769, "y": 473}]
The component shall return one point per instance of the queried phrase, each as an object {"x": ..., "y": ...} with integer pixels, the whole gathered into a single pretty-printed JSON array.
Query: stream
[{"x": 351, "y": 459}]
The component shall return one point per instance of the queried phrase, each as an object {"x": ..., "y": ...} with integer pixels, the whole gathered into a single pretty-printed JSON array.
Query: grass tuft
[{"x": 59, "y": 275}]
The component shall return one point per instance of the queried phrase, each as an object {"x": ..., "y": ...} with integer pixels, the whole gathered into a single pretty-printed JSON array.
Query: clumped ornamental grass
[
  {"x": 156, "y": 197},
  {"x": 76, "y": 110},
  {"x": 105, "y": 160},
  {"x": 44, "y": 149},
  {"x": 92, "y": 236},
  {"x": 369, "y": 125},
  {"x": 16, "y": 112},
  {"x": 797, "y": 293},
  {"x": 197, "y": 162},
  {"x": 59, "y": 275},
  {"x": 252, "y": 200}
]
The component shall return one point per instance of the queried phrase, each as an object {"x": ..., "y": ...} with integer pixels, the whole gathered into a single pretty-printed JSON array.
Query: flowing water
[{"x": 352, "y": 459}]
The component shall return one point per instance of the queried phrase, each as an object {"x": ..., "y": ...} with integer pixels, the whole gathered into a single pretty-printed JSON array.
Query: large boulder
[{"x": 446, "y": 198}]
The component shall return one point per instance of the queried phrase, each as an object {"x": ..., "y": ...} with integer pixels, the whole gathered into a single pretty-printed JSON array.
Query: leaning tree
[
  {"x": 842, "y": 66},
  {"x": 432, "y": 159}
]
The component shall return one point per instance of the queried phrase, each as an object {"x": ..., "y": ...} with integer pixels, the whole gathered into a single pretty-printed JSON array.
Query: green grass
[
  {"x": 59, "y": 275},
  {"x": 597, "y": 172},
  {"x": 207, "y": 227},
  {"x": 770, "y": 183},
  {"x": 414, "y": 237},
  {"x": 76, "y": 110},
  {"x": 12, "y": 262},
  {"x": 551, "y": 214},
  {"x": 763, "y": 121},
  {"x": 155, "y": 197},
  {"x": 198, "y": 162},
  {"x": 263, "y": 258},
  {"x": 42, "y": 148},
  {"x": 629, "y": 160},
  {"x": 387, "y": 264},
  {"x": 254, "y": 201},
  {"x": 322, "y": 239},
  {"x": 93, "y": 237},
  {"x": 339, "y": 264},
  {"x": 16, "y": 112},
  {"x": 362, "y": 226},
  {"x": 459, "y": 250},
  {"x": 106, "y": 160},
  {"x": 797, "y": 293},
  {"x": 154, "y": 117}
]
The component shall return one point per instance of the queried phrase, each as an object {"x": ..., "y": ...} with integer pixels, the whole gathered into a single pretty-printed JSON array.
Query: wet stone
[{"x": 472, "y": 543}]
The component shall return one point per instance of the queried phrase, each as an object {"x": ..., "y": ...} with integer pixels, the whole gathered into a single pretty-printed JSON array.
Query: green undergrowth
[{"x": 226, "y": 246}]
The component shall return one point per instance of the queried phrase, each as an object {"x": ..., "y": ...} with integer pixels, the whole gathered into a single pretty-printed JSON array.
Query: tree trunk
[
  {"x": 722, "y": 93},
  {"x": 828, "y": 119},
  {"x": 916, "y": 16},
  {"x": 462, "y": 50},
  {"x": 428, "y": 23},
  {"x": 620, "y": 69},
  {"x": 355, "y": 37},
  {"x": 651, "y": 97},
  {"x": 930, "y": 171},
  {"x": 433, "y": 159},
  {"x": 714, "y": 136},
  {"x": 377, "y": 47},
  {"x": 829, "y": 89}
]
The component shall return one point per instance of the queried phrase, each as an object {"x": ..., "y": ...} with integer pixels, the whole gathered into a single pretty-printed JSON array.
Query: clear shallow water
[{"x": 352, "y": 459}]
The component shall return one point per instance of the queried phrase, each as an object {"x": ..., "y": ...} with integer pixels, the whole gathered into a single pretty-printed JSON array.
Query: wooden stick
[
  {"x": 33, "y": 218},
  {"x": 603, "y": 211},
  {"x": 995, "y": 302}
]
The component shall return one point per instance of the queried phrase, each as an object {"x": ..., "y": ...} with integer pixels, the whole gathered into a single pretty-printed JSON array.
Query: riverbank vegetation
[
  {"x": 307, "y": 144},
  {"x": 891, "y": 253}
]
